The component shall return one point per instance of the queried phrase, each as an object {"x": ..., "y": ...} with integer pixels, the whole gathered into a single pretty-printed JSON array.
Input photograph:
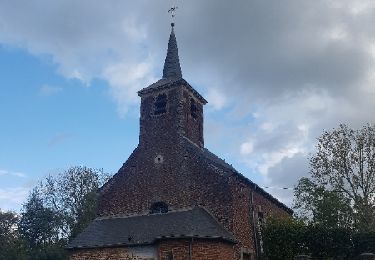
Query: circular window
[{"x": 159, "y": 207}]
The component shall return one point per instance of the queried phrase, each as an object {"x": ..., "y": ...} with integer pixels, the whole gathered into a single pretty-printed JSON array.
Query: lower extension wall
[
  {"x": 179, "y": 249},
  {"x": 200, "y": 250},
  {"x": 116, "y": 253}
]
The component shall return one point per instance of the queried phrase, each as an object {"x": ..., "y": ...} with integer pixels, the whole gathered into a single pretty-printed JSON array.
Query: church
[{"x": 173, "y": 199}]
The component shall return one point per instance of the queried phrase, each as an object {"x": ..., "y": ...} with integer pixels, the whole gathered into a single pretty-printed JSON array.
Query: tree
[
  {"x": 321, "y": 206},
  {"x": 72, "y": 194},
  {"x": 11, "y": 246},
  {"x": 39, "y": 225},
  {"x": 341, "y": 187},
  {"x": 57, "y": 209}
]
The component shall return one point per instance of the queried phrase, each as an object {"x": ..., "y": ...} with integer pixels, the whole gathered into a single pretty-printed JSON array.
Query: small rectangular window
[
  {"x": 160, "y": 105},
  {"x": 193, "y": 108}
]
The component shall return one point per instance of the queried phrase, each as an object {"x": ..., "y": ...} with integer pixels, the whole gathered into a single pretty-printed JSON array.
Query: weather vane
[{"x": 172, "y": 11}]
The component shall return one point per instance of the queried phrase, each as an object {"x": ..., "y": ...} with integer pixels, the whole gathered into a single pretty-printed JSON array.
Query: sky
[{"x": 275, "y": 74}]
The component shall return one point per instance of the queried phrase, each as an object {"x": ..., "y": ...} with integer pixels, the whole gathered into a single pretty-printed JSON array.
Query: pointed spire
[{"x": 172, "y": 68}]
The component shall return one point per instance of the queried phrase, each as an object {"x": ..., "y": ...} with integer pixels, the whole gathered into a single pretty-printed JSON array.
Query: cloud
[
  {"x": 48, "y": 90},
  {"x": 58, "y": 138},
  {"x": 83, "y": 40},
  {"x": 12, "y": 198},
  {"x": 217, "y": 99},
  {"x": 12, "y": 173},
  {"x": 276, "y": 73},
  {"x": 126, "y": 80}
]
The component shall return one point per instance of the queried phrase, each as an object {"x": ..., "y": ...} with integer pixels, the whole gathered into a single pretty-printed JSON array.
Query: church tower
[
  {"x": 173, "y": 199},
  {"x": 171, "y": 108}
]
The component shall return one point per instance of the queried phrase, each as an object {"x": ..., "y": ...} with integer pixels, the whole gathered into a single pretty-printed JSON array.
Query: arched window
[
  {"x": 193, "y": 108},
  {"x": 159, "y": 207},
  {"x": 160, "y": 105}
]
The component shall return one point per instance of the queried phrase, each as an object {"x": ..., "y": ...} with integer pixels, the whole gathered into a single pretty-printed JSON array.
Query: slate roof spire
[{"x": 172, "y": 68}]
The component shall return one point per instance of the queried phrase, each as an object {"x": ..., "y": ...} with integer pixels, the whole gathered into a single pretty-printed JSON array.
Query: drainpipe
[
  {"x": 191, "y": 249},
  {"x": 254, "y": 224}
]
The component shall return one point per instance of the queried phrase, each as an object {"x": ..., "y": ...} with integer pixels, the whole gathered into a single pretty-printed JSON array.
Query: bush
[
  {"x": 286, "y": 238},
  {"x": 282, "y": 238},
  {"x": 364, "y": 242}
]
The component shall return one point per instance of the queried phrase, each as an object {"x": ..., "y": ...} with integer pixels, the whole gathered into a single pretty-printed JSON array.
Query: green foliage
[
  {"x": 364, "y": 242},
  {"x": 282, "y": 238},
  {"x": 38, "y": 225},
  {"x": 11, "y": 246},
  {"x": 317, "y": 205},
  {"x": 57, "y": 209},
  {"x": 48, "y": 252},
  {"x": 39, "y": 229},
  {"x": 286, "y": 238},
  {"x": 73, "y": 195},
  {"x": 340, "y": 191},
  {"x": 324, "y": 242}
]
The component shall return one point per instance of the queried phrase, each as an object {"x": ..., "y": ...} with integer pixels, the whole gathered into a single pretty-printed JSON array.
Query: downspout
[
  {"x": 191, "y": 249},
  {"x": 254, "y": 224}
]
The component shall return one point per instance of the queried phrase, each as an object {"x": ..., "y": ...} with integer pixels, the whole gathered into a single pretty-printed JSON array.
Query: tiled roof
[
  {"x": 172, "y": 68},
  {"x": 171, "y": 83},
  {"x": 172, "y": 75},
  {"x": 210, "y": 157},
  {"x": 146, "y": 229}
]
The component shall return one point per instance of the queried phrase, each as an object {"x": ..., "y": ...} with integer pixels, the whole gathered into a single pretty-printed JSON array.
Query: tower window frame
[{"x": 160, "y": 104}]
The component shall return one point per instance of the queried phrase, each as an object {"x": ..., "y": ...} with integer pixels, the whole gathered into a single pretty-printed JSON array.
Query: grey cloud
[
  {"x": 286, "y": 174},
  {"x": 270, "y": 47},
  {"x": 289, "y": 170}
]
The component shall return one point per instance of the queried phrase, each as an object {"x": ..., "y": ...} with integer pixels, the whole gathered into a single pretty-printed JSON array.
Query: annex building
[{"x": 173, "y": 199}]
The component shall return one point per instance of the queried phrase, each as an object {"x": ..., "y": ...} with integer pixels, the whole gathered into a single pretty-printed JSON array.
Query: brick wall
[
  {"x": 201, "y": 250},
  {"x": 161, "y": 168},
  {"x": 268, "y": 207},
  {"x": 119, "y": 253},
  {"x": 165, "y": 128}
]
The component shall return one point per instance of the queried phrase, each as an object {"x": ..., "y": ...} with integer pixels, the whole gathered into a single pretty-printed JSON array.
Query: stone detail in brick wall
[{"x": 159, "y": 159}]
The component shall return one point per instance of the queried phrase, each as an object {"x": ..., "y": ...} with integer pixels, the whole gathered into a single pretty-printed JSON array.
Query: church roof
[
  {"x": 216, "y": 161},
  {"x": 170, "y": 83},
  {"x": 146, "y": 229},
  {"x": 172, "y": 75}
]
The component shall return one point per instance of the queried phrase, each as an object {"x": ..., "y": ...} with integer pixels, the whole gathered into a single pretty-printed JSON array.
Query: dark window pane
[
  {"x": 160, "y": 105},
  {"x": 193, "y": 108}
]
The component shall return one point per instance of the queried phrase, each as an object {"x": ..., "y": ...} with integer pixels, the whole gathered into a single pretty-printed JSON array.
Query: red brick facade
[
  {"x": 198, "y": 250},
  {"x": 163, "y": 169}
]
